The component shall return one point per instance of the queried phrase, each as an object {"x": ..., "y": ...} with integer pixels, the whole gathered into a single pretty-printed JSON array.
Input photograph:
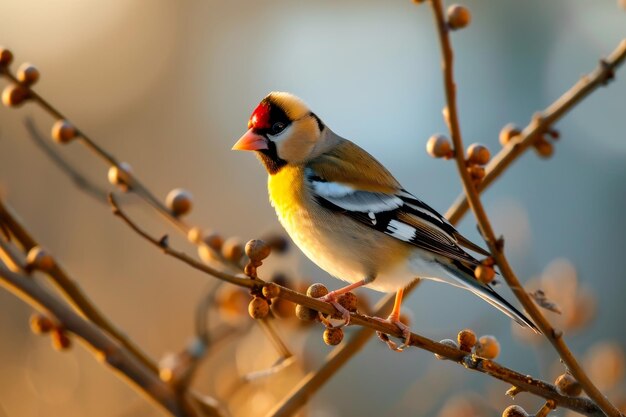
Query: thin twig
[
  {"x": 70, "y": 289},
  {"x": 98, "y": 193},
  {"x": 542, "y": 123},
  {"x": 537, "y": 387},
  {"x": 485, "y": 226},
  {"x": 105, "y": 348}
]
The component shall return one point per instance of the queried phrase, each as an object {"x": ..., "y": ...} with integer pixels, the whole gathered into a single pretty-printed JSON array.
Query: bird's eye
[{"x": 277, "y": 127}]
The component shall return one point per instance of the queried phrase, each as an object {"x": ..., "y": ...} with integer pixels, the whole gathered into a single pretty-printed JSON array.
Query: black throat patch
[{"x": 270, "y": 159}]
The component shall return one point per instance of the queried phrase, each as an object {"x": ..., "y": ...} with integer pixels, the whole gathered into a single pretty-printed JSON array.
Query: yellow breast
[{"x": 286, "y": 189}]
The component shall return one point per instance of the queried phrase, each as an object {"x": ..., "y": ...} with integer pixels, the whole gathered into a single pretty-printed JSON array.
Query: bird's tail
[{"x": 464, "y": 275}]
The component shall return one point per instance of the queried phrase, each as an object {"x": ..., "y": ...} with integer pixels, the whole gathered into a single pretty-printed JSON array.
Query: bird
[{"x": 351, "y": 217}]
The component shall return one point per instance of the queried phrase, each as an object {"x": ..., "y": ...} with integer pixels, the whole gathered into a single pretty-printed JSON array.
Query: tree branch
[
  {"x": 104, "y": 347},
  {"x": 485, "y": 226},
  {"x": 537, "y": 387},
  {"x": 541, "y": 123}
]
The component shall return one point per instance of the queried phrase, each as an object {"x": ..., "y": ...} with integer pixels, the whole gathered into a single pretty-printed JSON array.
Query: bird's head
[{"x": 283, "y": 131}]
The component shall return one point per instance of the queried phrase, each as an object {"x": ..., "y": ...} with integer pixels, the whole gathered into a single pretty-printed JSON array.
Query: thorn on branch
[
  {"x": 608, "y": 71},
  {"x": 164, "y": 242}
]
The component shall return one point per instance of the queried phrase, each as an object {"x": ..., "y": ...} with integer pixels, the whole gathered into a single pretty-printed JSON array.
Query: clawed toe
[
  {"x": 406, "y": 333},
  {"x": 331, "y": 298}
]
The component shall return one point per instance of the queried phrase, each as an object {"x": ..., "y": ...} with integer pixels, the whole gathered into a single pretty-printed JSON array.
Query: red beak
[{"x": 250, "y": 141}]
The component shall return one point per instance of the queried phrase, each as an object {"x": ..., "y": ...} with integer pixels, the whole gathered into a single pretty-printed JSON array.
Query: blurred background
[{"x": 168, "y": 86}]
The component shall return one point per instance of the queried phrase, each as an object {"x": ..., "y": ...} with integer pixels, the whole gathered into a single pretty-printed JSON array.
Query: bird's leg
[
  {"x": 332, "y": 297},
  {"x": 394, "y": 318}
]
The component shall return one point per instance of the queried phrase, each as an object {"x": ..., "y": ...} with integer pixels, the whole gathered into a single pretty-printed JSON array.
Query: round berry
[
  {"x": 257, "y": 250},
  {"x": 194, "y": 235},
  {"x": 458, "y": 17},
  {"x": 271, "y": 290},
  {"x": 213, "y": 240},
  {"x": 179, "y": 201},
  {"x": 6, "y": 57},
  {"x": 487, "y": 347},
  {"x": 333, "y": 336},
  {"x": 438, "y": 146},
  {"x": 232, "y": 249},
  {"x": 63, "y": 131},
  {"x": 60, "y": 339},
  {"x": 566, "y": 384},
  {"x": 514, "y": 411},
  {"x": 448, "y": 342},
  {"x": 40, "y": 324},
  {"x": 348, "y": 301},
  {"x": 40, "y": 259},
  {"x": 478, "y": 154},
  {"x": 508, "y": 132},
  {"x": 467, "y": 340},
  {"x": 544, "y": 148},
  {"x": 27, "y": 74},
  {"x": 258, "y": 308},
  {"x": 305, "y": 313},
  {"x": 317, "y": 290},
  {"x": 120, "y": 175},
  {"x": 484, "y": 273},
  {"x": 14, "y": 95}
]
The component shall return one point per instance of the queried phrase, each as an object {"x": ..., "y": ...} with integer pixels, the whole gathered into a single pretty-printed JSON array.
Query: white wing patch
[
  {"x": 400, "y": 230},
  {"x": 348, "y": 198}
]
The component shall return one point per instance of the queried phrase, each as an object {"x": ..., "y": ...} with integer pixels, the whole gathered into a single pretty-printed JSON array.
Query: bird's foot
[
  {"x": 406, "y": 333},
  {"x": 331, "y": 298}
]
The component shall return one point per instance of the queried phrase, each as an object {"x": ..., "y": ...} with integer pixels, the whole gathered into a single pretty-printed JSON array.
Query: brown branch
[
  {"x": 70, "y": 289},
  {"x": 485, "y": 226},
  {"x": 104, "y": 347},
  {"x": 79, "y": 180},
  {"x": 534, "y": 386},
  {"x": 542, "y": 123}
]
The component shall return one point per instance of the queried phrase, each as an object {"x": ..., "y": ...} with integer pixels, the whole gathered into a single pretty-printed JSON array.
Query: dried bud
[
  {"x": 179, "y": 201},
  {"x": 544, "y": 148},
  {"x": 348, "y": 301},
  {"x": 467, "y": 340},
  {"x": 14, "y": 95},
  {"x": 317, "y": 290},
  {"x": 508, "y": 132},
  {"x": 514, "y": 411},
  {"x": 487, "y": 347},
  {"x": 257, "y": 250},
  {"x": 6, "y": 57},
  {"x": 438, "y": 146},
  {"x": 40, "y": 324},
  {"x": 258, "y": 308},
  {"x": 27, "y": 74},
  {"x": 484, "y": 274},
  {"x": 566, "y": 384},
  {"x": 478, "y": 154},
  {"x": 121, "y": 175},
  {"x": 458, "y": 17},
  {"x": 333, "y": 336},
  {"x": 213, "y": 240},
  {"x": 271, "y": 290},
  {"x": 448, "y": 342},
  {"x": 477, "y": 173},
  {"x": 194, "y": 235},
  {"x": 305, "y": 313},
  {"x": 63, "y": 131},
  {"x": 232, "y": 249},
  {"x": 39, "y": 258},
  {"x": 60, "y": 339}
]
